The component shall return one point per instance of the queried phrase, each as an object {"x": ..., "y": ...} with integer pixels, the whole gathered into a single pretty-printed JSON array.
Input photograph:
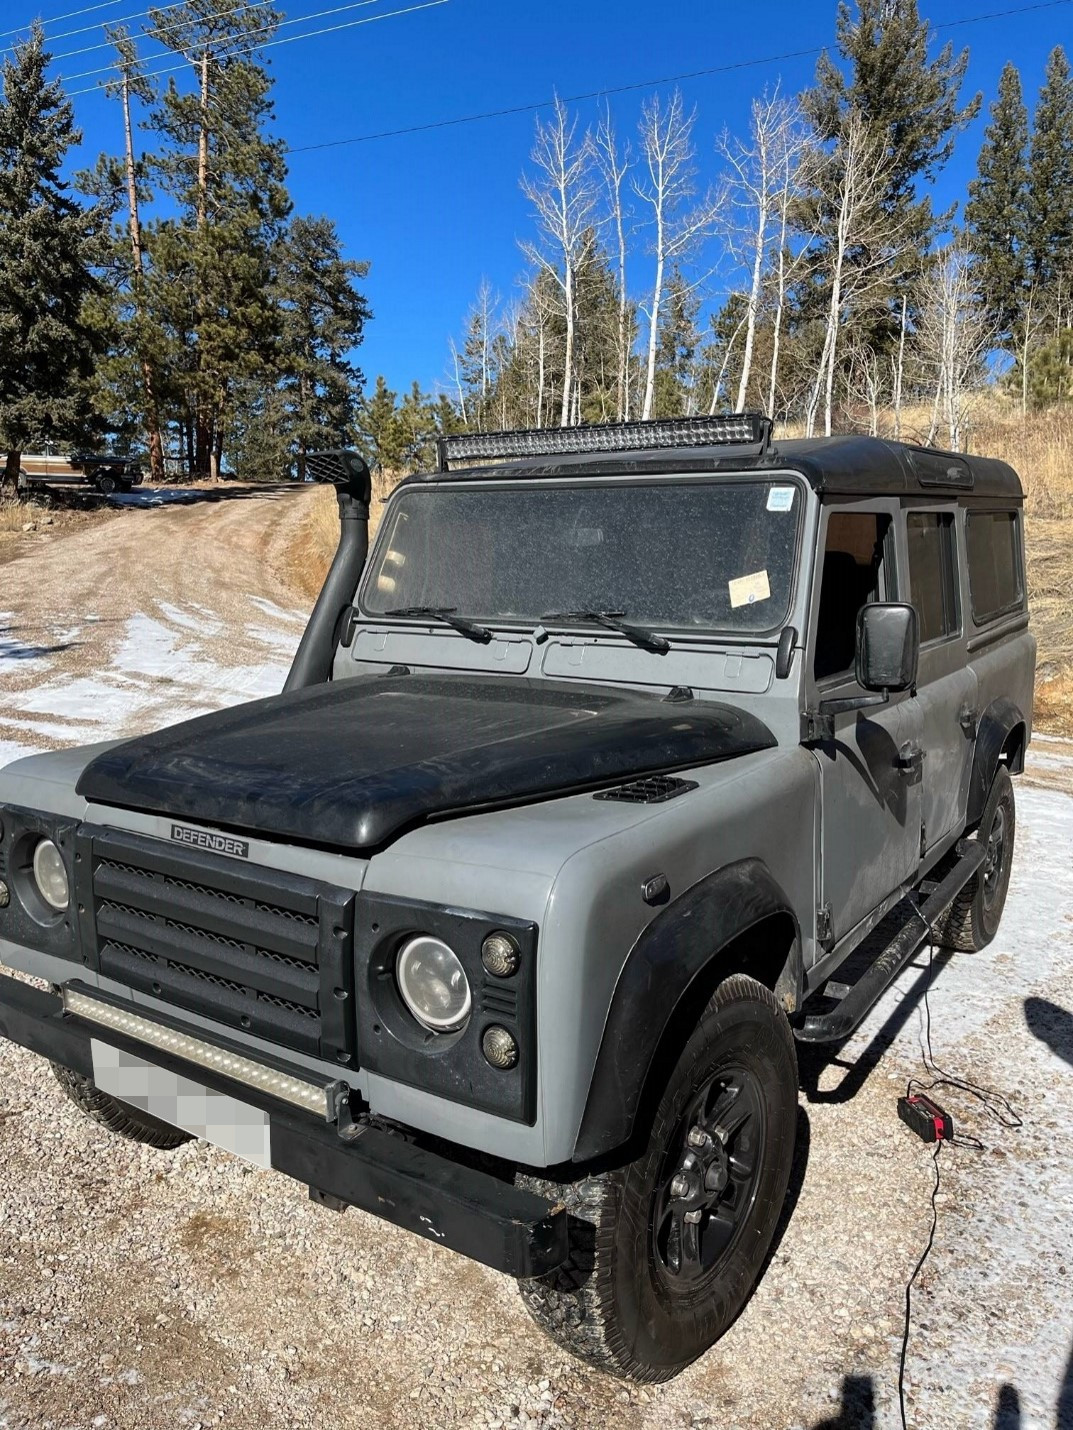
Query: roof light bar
[
  {"x": 736, "y": 427},
  {"x": 310, "y": 1096}
]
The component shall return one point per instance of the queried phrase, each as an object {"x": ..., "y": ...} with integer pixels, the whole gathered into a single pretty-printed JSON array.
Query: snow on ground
[
  {"x": 161, "y": 669},
  {"x": 993, "y": 1315}
]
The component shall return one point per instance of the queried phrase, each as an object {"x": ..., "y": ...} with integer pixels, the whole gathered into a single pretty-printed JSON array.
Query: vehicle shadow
[{"x": 813, "y": 1058}]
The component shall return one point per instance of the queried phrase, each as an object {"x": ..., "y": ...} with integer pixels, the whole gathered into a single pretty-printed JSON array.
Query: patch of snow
[
  {"x": 993, "y": 1306},
  {"x": 277, "y": 613},
  {"x": 9, "y": 751},
  {"x": 190, "y": 619}
]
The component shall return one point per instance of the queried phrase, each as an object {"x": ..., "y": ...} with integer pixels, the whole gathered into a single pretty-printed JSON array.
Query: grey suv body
[{"x": 503, "y": 919}]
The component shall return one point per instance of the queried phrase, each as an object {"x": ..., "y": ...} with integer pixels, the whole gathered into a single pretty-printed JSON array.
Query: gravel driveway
[{"x": 144, "y": 1290}]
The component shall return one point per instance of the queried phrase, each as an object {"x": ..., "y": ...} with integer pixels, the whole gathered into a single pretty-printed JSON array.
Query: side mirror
[{"x": 888, "y": 646}]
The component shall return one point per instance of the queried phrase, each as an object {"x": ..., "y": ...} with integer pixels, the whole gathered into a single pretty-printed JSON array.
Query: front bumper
[{"x": 426, "y": 1192}]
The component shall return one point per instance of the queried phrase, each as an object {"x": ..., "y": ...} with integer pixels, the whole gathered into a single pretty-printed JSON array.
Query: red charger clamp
[{"x": 926, "y": 1118}]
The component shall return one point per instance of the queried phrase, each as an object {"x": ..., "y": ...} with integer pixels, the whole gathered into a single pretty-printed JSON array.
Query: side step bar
[{"x": 847, "y": 1015}]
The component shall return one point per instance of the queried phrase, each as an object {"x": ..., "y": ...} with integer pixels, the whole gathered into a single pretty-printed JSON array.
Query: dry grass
[{"x": 318, "y": 534}]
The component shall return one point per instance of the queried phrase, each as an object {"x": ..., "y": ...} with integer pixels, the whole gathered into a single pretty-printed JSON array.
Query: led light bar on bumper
[
  {"x": 310, "y": 1096},
  {"x": 736, "y": 427}
]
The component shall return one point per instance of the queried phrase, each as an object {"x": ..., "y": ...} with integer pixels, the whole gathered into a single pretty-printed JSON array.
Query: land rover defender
[{"x": 589, "y": 786}]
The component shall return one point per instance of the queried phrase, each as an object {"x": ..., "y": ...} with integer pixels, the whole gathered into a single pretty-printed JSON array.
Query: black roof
[{"x": 833, "y": 466}]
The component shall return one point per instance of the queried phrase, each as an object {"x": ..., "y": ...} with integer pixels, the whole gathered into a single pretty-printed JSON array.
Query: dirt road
[{"x": 147, "y": 1290}]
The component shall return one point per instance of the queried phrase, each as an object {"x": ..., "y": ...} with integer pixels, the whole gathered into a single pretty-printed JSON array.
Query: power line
[
  {"x": 144, "y": 15},
  {"x": 223, "y": 53},
  {"x": 639, "y": 84},
  {"x": 56, "y": 19},
  {"x": 287, "y": 40}
]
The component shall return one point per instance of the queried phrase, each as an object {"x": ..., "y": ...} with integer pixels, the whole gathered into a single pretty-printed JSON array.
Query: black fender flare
[
  {"x": 996, "y": 723},
  {"x": 664, "y": 965}
]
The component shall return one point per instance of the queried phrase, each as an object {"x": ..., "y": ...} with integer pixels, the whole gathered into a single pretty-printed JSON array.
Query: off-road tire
[
  {"x": 972, "y": 920},
  {"x": 106, "y": 485},
  {"x": 117, "y": 1116},
  {"x": 609, "y": 1304}
]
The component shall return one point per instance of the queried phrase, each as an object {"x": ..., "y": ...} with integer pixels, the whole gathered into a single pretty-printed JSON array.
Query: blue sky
[{"x": 436, "y": 211}]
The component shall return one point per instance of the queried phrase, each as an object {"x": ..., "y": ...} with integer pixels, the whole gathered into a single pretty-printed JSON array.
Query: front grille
[
  {"x": 653, "y": 790},
  {"x": 248, "y": 947}
]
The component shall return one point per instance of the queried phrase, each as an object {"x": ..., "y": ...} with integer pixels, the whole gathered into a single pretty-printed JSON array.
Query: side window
[
  {"x": 994, "y": 547},
  {"x": 933, "y": 572},
  {"x": 857, "y": 568}
]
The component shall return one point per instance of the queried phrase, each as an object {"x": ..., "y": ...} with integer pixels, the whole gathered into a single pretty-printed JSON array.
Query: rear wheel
[
  {"x": 972, "y": 920},
  {"x": 669, "y": 1248},
  {"x": 106, "y": 485},
  {"x": 118, "y": 1117}
]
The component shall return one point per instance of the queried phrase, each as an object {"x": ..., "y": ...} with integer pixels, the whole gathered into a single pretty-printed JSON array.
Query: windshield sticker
[
  {"x": 747, "y": 590},
  {"x": 780, "y": 499}
]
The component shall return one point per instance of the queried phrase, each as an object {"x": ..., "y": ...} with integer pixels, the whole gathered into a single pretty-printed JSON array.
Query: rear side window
[
  {"x": 933, "y": 572},
  {"x": 994, "y": 546}
]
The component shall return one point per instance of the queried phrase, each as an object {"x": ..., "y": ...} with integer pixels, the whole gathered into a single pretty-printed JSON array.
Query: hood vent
[{"x": 655, "y": 790}]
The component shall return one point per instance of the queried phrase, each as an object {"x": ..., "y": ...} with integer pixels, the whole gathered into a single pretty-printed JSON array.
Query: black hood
[{"x": 352, "y": 764}]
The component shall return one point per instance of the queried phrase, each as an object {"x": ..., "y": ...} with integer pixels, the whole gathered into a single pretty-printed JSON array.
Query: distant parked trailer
[{"x": 105, "y": 474}]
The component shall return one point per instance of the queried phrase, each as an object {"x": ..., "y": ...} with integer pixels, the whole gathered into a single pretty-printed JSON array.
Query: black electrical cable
[
  {"x": 909, "y": 1287},
  {"x": 998, "y": 1108}
]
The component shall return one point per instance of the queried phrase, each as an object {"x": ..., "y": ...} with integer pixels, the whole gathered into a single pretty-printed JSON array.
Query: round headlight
[
  {"x": 500, "y": 955},
  {"x": 50, "y": 875},
  {"x": 433, "y": 984}
]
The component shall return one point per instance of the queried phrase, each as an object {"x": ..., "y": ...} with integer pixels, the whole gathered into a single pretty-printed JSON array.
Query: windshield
[{"x": 716, "y": 555}]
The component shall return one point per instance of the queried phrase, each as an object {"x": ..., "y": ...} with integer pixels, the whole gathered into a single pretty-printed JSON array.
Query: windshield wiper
[
  {"x": 465, "y": 627},
  {"x": 610, "y": 620}
]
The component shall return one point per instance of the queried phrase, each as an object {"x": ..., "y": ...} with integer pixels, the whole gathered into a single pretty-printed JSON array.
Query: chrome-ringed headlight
[
  {"x": 433, "y": 984},
  {"x": 50, "y": 876}
]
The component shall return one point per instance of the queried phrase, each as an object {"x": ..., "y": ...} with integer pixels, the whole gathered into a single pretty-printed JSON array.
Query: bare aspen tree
[
  {"x": 614, "y": 166},
  {"x": 132, "y": 84},
  {"x": 758, "y": 170},
  {"x": 667, "y": 146},
  {"x": 954, "y": 335},
  {"x": 717, "y": 385},
  {"x": 899, "y": 374},
  {"x": 866, "y": 382},
  {"x": 564, "y": 197},
  {"x": 852, "y": 182}
]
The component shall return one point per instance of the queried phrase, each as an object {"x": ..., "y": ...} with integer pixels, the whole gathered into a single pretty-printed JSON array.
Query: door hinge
[
  {"x": 967, "y": 720},
  {"x": 815, "y": 727},
  {"x": 823, "y": 924}
]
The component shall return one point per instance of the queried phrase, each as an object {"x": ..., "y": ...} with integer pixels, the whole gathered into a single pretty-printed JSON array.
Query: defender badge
[{"x": 216, "y": 843}]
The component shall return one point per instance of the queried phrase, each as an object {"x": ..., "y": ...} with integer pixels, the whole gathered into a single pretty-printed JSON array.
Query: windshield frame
[{"x": 677, "y": 635}]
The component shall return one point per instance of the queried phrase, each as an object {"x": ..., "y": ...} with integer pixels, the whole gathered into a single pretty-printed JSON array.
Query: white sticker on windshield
[
  {"x": 747, "y": 590},
  {"x": 780, "y": 499}
]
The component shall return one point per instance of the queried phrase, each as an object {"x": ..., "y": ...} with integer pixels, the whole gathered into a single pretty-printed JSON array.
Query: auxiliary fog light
[
  {"x": 499, "y": 954},
  {"x": 433, "y": 984},
  {"x": 499, "y": 1048},
  {"x": 312, "y": 1097},
  {"x": 50, "y": 876}
]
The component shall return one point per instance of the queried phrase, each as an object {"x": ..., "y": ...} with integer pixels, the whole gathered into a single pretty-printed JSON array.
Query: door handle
[{"x": 910, "y": 758}]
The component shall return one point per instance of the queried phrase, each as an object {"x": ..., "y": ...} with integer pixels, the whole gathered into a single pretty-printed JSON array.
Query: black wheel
[
  {"x": 106, "y": 485},
  {"x": 680, "y": 1236},
  {"x": 118, "y": 1117},
  {"x": 972, "y": 920}
]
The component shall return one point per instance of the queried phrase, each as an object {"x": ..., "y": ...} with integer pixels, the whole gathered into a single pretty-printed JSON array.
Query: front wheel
[{"x": 670, "y": 1247}]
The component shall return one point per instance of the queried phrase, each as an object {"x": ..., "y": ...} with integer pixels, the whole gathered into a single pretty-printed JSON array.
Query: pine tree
[
  {"x": 324, "y": 315},
  {"x": 909, "y": 107},
  {"x": 226, "y": 178},
  {"x": 995, "y": 215},
  {"x": 1050, "y": 199},
  {"x": 676, "y": 350},
  {"x": 48, "y": 246},
  {"x": 383, "y": 440}
]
